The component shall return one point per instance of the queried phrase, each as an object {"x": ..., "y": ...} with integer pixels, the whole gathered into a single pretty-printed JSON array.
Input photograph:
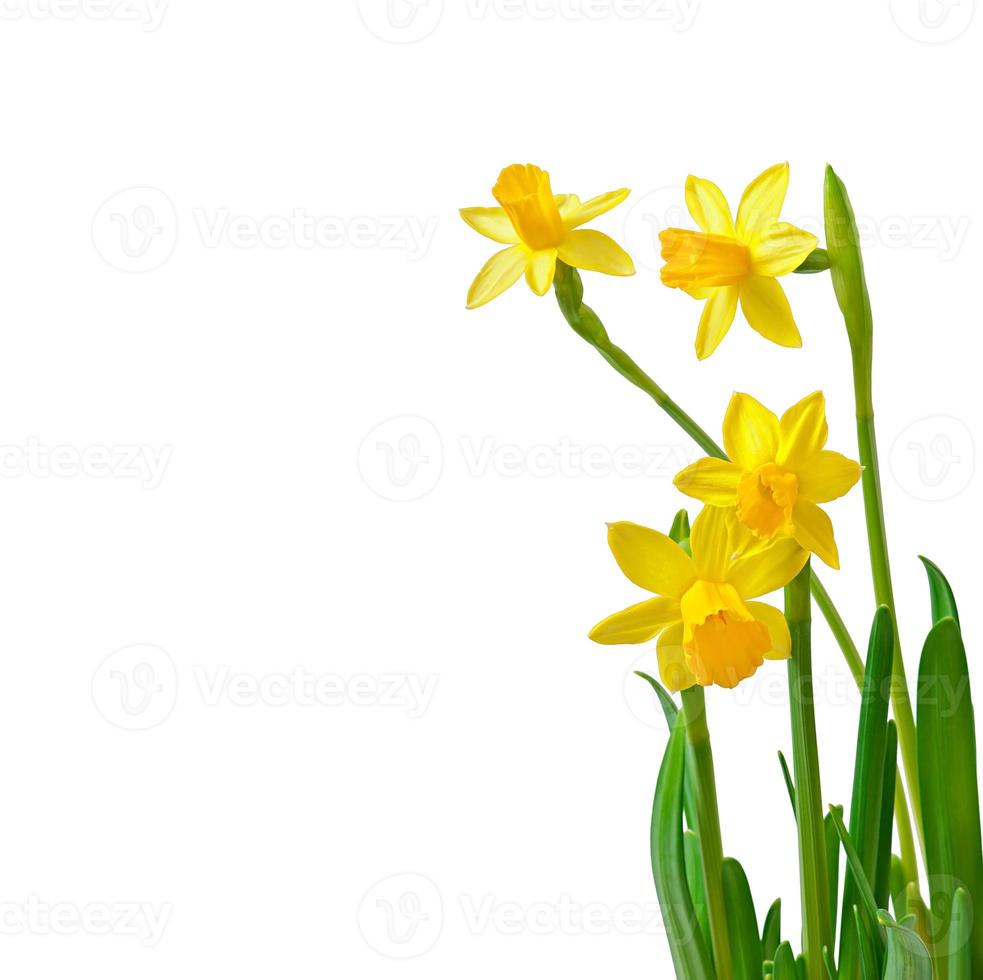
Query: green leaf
[
  {"x": 950, "y": 789},
  {"x": 787, "y": 774},
  {"x": 882, "y": 878},
  {"x": 689, "y": 953},
  {"x": 694, "y": 879},
  {"x": 943, "y": 601},
  {"x": 960, "y": 931},
  {"x": 833, "y": 863},
  {"x": 867, "y": 946},
  {"x": 771, "y": 932},
  {"x": 680, "y": 527},
  {"x": 898, "y": 884},
  {"x": 866, "y": 807},
  {"x": 855, "y": 866},
  {"x": 816, "y": 261},
  {"x": 785, "y": 968},
  {"x": 742, "y": 924},
  {"x": 907, "y": 956}
]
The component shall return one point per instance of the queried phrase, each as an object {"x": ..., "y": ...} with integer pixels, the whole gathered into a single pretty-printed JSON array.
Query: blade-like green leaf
[
  {"x": 960, "y": 930},
  {"x": 898, "y": 890},
  {"x": 907, "y": 956},
  {"x": 866, "y": 811},
  {"x": 950, "y": 787},
  {"x": 882, "y": 878},
  {"x": 833, "y": 863},
  {"x": 789, "y": 784},
  {"x": 689, "y": 954},
  {"x": 855, "y": 866},
  {"x": 867, "y": 945},
  {"x": 694, "y": 879},
  {"x": 943, "y": 601},
  {"x": 771, "y": 932},
  {"x": 785, "y": 968},
  {"x": 742, "y": 924}
]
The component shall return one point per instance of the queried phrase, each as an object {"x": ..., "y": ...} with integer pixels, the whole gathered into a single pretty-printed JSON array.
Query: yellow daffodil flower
[
  {"x": 540, "y": 227},
  {"x": 779, "y": 472},
  {"x": 708, "y": 630},
  {"x": 726, "y": 261}
]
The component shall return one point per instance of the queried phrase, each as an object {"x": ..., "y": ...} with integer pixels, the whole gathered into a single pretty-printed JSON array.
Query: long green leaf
[
  {"x": 694, "y": 879},
  {"x": 958, "y": 947},
  {"x": 855, "y": 865},
  {"x": 833, "y": 863},
  {"x": 950, "y": 786},
  {"x": 742, "y": 924},
  {"x": 785, "y": 968},
  {"x": 787, "y": 775},
  {"x": 689, "y": 954},
  {"x": 771, "y": 932},
  {"x": 882, "y": 879},
  {"x": 867, "y": 946},
  {"x": 907, "y": 956},
  {"x": 943, "y": 601},
  {"x": 866, "y": 813}
]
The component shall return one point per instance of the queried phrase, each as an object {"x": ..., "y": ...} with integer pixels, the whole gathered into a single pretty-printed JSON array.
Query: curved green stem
[
  {"x": 708, "y": 825},
  {"x": 813, "y": 871}
]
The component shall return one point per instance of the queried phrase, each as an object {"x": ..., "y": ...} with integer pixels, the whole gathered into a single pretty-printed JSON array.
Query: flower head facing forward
[
  {"x": 778, "y": 473},
  {"x": 727, "y": 262},
  {"x": 540, "y": 227},
  {"x": 709, "y": 631}
]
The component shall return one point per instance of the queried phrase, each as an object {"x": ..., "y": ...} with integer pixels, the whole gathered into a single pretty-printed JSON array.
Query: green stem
[
  {"x": 884, "y": 595},
  {"x": 586, "y": 323},
  {"x": 708, "y": 825},
  {"x": 817, "y": 924}
]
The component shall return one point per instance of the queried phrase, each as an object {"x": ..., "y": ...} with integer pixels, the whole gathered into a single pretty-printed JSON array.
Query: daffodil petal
[
  {"x": 826, "y": 476},
  {"x": 718, "y": 315},
  {"x": 637, "y": 623},
  {"x": 493, "y": 223},
  {"x": 708, "y": 206},
  {"x": 499, "y": 272},
  {"x": 762, "y": 201},
  {"x": 780, "y": 249},
  {"x": 751, "y": 432},
  {"x": 540, "y": 269},
  {"x": 710, "y": 542},
  {"x": 595, "y": 252},
  {"x": 803, "y": 432},
  {"x": 651, "y": 559},
  {"x": 814, "y": 531},
  {"x": 673, "y": 669},
  {"x": 714, "y": 481},
  {"x": 575, "y": 213},
  {"x": 774, "y": 619},
  {"x": 766, "y": 570},
  {"x": 766, "y": 308}
]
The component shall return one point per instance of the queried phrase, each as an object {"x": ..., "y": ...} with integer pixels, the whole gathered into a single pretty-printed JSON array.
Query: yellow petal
[
  {"x": 524, "y": 191},
  {"x": 826, "y": 476},
  {"x": 774, "y": 619},
  {"x": 575, "y": 213},
  {"x": 637, "y": 623},
  {"x": 499, "y": 272},
  {"x": 814, "y": 531},
  {"x": 695, "y": 259},
  {"x": 493, "y": 223},
  {"x": 708, "y": 206},
  {"x": 651, "y": 559},
  {"x": 718, "y": 315},
  {"x": 711, "y": 542},
  {"x": 540, "y": 270},
  {"x": 725, "y": 651},
  {"x": 766, "y": 308},
  {"x": 595, "y": 252},
  {"x": 751, "y": 432},
  {"x": 673, "y": 669},
  {"x": 714, "y": 481},
  {"x": 762, "y": 202},
  {"x": 803, "y": 432},
  {"x": 780, "y": 249},
  {"x": 767, "y": 569}
]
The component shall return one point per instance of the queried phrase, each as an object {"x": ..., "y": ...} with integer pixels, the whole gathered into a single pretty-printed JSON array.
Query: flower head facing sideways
[
  {"x": 709, "y": 631},
  {"x": 729, "y": 261},
  {"x": 540, "y": 227},
  {"x": 778, "y": 473}
]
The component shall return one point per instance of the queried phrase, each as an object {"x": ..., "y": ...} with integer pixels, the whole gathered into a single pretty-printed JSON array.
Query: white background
[{"x": 192, "y": 383}]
